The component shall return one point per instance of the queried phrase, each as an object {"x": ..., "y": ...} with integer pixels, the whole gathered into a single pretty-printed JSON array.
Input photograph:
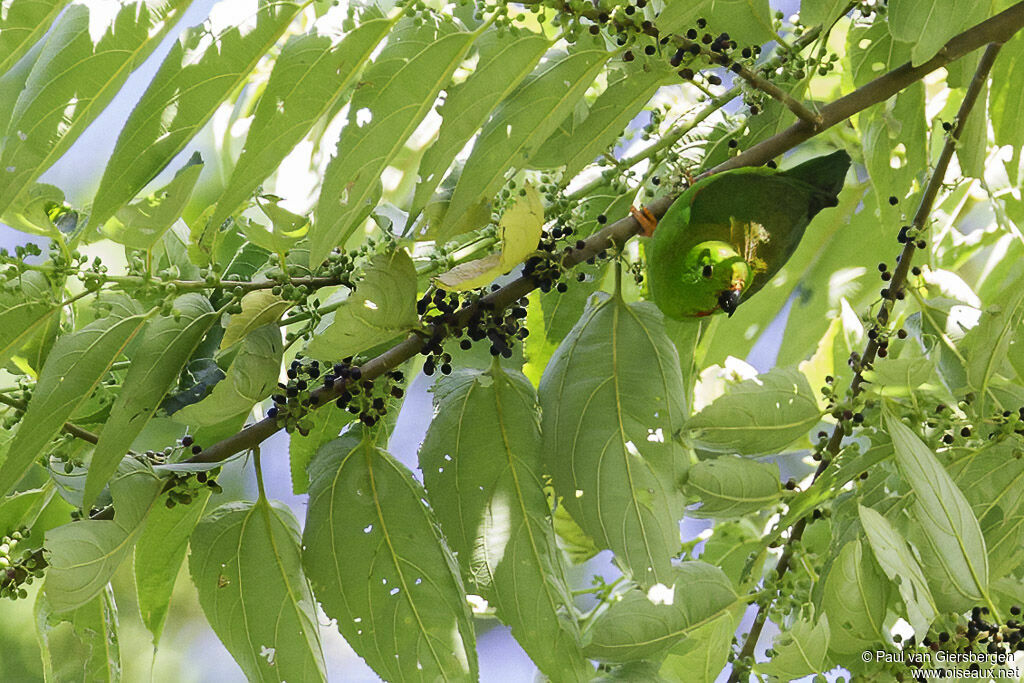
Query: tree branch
[
  {"x": 997, "y": 29},
  {"x": 899, "y": 279},
  {"x": 72, "y": 429}
]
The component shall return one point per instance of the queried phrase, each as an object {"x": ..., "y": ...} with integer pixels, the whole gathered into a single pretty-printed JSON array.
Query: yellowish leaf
[{"x": 259, "y": 308}]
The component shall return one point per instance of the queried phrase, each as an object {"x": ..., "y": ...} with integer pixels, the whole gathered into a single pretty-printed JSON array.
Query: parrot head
[{"x": 716, "y": 275}]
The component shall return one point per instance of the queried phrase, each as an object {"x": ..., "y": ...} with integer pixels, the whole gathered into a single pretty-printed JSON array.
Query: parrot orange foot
[{"x": 646, "y": 220}]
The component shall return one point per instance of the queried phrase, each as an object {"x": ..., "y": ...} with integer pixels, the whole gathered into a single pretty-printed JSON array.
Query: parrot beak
[{"x": 729, "y": 300}]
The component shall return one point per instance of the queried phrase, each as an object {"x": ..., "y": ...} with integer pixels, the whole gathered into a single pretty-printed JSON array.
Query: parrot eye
[{"x": 707, "y": 271}]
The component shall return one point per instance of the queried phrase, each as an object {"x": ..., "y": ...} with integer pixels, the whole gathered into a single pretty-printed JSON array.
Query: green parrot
[{"x": 730, "y": 233}]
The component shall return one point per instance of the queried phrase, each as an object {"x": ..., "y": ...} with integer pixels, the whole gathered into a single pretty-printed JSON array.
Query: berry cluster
[
  {"x": 18, "y": 568},
  {"x": 295, "y": 399},
  {"x": 365, "y": 398},
  {"x": 185, "y": 487},
  {"x": 545, "y": 266},
  {"x": 988, "y": 641}
]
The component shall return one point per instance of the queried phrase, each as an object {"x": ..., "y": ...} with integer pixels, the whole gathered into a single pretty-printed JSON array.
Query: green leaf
[
  {"x": 247, "y": 568},
  {"x": 904, "y": 376},
  {"x": 730, "y": 487},
  {"x": 382, "y": 307},
  {"x": 702, "y": 655},
  {"x": 398, "y": 90},
  {"x": 167, "y": 344},
  {"x": 481, "y": 466},
  {"x": 24, "y": 311},
  {"x": 87, "y": 57},
  {"x": 202, "y": 70},
  {"x": 506, "y": 57},
  {"x": 640, "y": 624},
  {"x": 799, "y": 651},
  {"x": 303, "y": 87},
  {"x": 855, "y": 599},
  {"x": 951, "y": 544},
  {"x": 895, "y": 138},
  {"x": 23, "y": 24},
  {"x": 521, "y": 124},
  {"x": 12, "y": 82},
  {"x": 250, "y": 379},
  {"x": 759, "y": 416},
  {"x": 1007, "y": 100},
  {"x": 84, "y": 555},
  {"x": 80, "y": 645},
  {"x": 397, "y": 598},
  {"x": 749, "y": 22},
  {"x": 823, "y": 12},
  {"x": 75, "y": 366},
  {"x": 929, "y": 24},
  {"x": 627, "y": 93},
  {"x": 612, "y": 399},
  {"x": 988, "y": 343},
  {"x": 519, "y": 232},
  {"x": 259, "y": 307},
  {"x": 972, "y": 147},
  {"x": 899, "y": 564},
  {"x": 285, "y": 231},
  {"x": 871, "y": 51},
  {"x": 159, "y": 553},
  {"x": 732, "y": 547},
  {"x": 20, "y": 509},
  {"x": 141, "y": 225},
  {"x": 327, "y": 424},
  {"x": 571, "y": 539},
  {"x": 992, "y": 480}
]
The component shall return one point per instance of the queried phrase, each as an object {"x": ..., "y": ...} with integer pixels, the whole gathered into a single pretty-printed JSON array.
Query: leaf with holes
[
  {"x": 520, "y": 125},
  {"x": 397, "y": 598},
  {"x": 303, "y": 87},
  {"x": 799, "y": 651},
  {"x": 481, "y": 467},
  {"x": 759, "y": 416},
  {"x": 202, "y": 69},
  {"x": 612, "y": 399},
  {"x": 87, "y": 56},
  {"x": 272, "y": 631},
  {"x": 382, "y": 306},
  {"x": 93, "y": 652},
  {"x": 639, "y": 624},
  {"x": 396, "y": 93},
  {"x": 856, "y": 597}
]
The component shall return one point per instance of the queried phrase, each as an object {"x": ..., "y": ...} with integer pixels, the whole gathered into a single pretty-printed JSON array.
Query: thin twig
[
  {"x": 775, "y": 92},
  {"x": 72, "y": 429},
  {"x": 899, "y": 279},
  {"x": 996, "y": 29}
]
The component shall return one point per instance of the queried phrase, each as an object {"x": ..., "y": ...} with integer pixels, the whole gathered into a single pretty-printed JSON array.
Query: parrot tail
[{"x": 825, "y": 174}]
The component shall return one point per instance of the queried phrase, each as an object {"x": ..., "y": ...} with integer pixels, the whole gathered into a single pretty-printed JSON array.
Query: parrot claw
[{"x": 646, "y": 220}]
